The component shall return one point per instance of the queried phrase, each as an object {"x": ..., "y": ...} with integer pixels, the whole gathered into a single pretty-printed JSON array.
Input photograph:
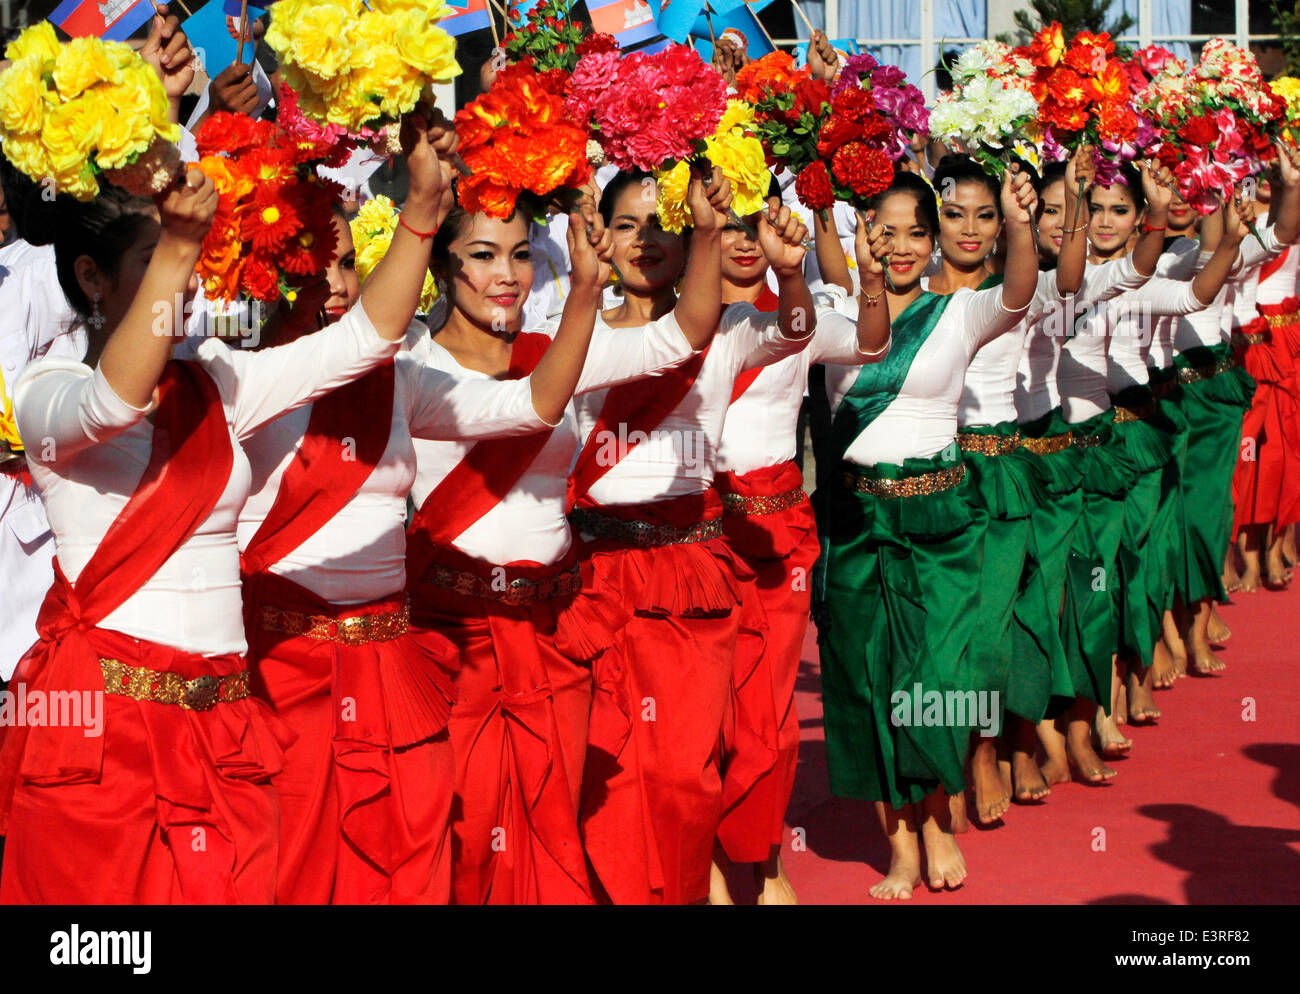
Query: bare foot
[
  {"x": 991, "y": 797},
  {"x": 944, "y": 863},
  {"x": 1205, "y": 662},
  {"x": 719, "y": 893},
  {"x": 1109, "y": 739},
  {"x": 1163, "y": 670},
  {"x": 1120, "y": 710},
  {"x": 957, "y": 812},
  {"x": 776, "y": 886},
  {"x": 1028, "y": 782},
  {"x": 1083, "y": 757},
  {"x": 1056, "y": 771},
  {"x": 1278, "y": 575},
  {"x": 1217, "y": 631},
  {"x": 1142, "y": 708},
  {"x": 903, "y": 877}
]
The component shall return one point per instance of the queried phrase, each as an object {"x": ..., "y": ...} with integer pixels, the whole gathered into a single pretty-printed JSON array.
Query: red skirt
[
  {"x": 652, "y": 793},
  {"x": 365, "y": 796},
  {"x": 760, "y": 742},
  {"x": 518, "y": 731},
  {"x": 158, "y": 805},
  {"x": 1266, "y": 481}
]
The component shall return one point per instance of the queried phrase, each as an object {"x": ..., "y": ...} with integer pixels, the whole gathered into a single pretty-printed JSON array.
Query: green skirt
[
  {"x": 1089, "y": 623},
  {"x": 1213, "y": 408},
  {"x": 1038, "y": 635},
  {"x": 898, "y": 601},
  {"x": 1164, "y": 549},
  {"x": 1004, "y": 657}
]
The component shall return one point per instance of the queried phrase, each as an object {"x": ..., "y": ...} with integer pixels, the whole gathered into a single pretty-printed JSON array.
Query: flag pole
[
  {"x": 799, "y": 10},
  {"x": 243, "y": 30}
]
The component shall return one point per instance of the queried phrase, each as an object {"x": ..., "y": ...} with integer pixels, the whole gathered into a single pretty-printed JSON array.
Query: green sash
[
  {"x": 878, "y": 383},
  {"x": 990, "y": 281}
]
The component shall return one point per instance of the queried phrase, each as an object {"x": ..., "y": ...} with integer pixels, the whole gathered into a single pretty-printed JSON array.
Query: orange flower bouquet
[
  {"x": 519, "y": 144},
  {"x": 274, "y": 215}
]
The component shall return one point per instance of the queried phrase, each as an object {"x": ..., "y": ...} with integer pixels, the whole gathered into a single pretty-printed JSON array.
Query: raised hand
[
  {"x": 168, "y": 51},
  {"x": 709, "y": 203},
  {"x": 428, "y": 142},
  {"x": 1238, "y": 216},
  {"x": 781, "y": 236},
  {"x": 234, "y": 90},
  {"x": 1082, "y": 168},
  {"x": 1158, "y": 187},
  {"x": 187, "y": 209},
  {"x": 590, "y": 248},
  {"x": 1288, "y": 163},
  {"x": 1019, "y": 199},
  {"x": 822, "y": 58},
  {"x": 873, "y": 244}
]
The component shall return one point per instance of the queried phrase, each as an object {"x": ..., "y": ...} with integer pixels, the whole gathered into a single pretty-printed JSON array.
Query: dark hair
[
  {"x": 1053, "y": 172},
  {"x": 614, "y": 189},
  {"x": 103, "y": 229},
  {"x": 943, "y": 70},
  {"x": 33, "y": 212},
  {"x": 955, "y": 168},
  {"x": 911, "y": 184},
  {"x": 773, "y": 188},
  {"x": 457, "y": 223},
  {"x": 1129, "y": 177}
]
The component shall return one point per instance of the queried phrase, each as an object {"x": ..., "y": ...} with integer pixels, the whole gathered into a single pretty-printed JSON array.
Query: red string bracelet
[
  {"x": 1152, "y": 227},
  {"x": 401, "y": 219}
]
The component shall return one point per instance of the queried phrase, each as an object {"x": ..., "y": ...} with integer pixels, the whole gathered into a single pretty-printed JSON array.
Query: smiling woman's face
[
  {"x": 1114, "y": 217},
  {"x": 345, "y": 287},
  {"x": 491, "y": 272},
  {"x": 648, "y": 258},
  {"x": 1051, "y": 219},
  {"x": 913, "y": 241},
  {"x": 969, "y": 223}
]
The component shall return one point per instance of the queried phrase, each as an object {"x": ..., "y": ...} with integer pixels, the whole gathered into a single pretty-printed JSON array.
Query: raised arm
[
  {"x": 700, "y": 300},
  {"x": 1081, "y": 169},
  {"x": 873, "y": 247},
  {"x": 781, "y": 235},
  {"x": 1158, "y": 188},
  {"x": 1285, "y": 210},
  {"x": 1209, "y": 281},
  {"x": 1021, "y": 275},
  {"x": 830, "y": 253}
]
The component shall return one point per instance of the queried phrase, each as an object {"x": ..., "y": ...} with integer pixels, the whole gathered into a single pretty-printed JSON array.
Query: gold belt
[
  {"x": 1240, "y": 340},
  {"x": 645, "y": 534},
  {"x": 734, "y": 505},
  {"x": 1123, "y": 415},
  {"x": 988, "y": 445},
  {"x": 912, "y": 486},
  {"x": 358, "y": 630},
  {"x": 202, "y": 693},
  {"x": 1049, "y": 444},
  {"x": 1194, "y": 375},
  {"x": 1282, "y": 320},
  {"x": 518, "y": 591}
]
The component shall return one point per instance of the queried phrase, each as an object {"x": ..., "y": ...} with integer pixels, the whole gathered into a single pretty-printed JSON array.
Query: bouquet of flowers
[
  {"x": 11, "y": 445},
  {"x": 1214, "y": 125},
  {"x": 553, "y": 39},
  {"x": 647, "y": 111},
  {"x": 372, "y": 233},
  {"x": 990, "y": 111},
  {"x": 361, "y": 63},
  {"x": 85, "y": 110},
  {"x": 274, "y": 215},
  {"x": 1287, "y": 89},
  {"x": 804, "y": 127},
  {"x": 1083, "y": 95},
  {"x": 897, "y": 101},
  {"x": 330, "y": 144},
  {"x": 735, "y": 149},
  {"x": 518, "y": 141}
]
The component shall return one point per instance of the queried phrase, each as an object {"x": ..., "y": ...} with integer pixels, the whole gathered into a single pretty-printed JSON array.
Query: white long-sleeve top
[
  {"x": 762, "y": 425},
  {"x": 1134, "y": 320},
  {"x": 1083, "y": 378},
  {"x": 1280, "y": 284},
  {"x": 1181, "y": 260},
  {"x": 360, "y": 554},
  {"x": 37, "y": 324},
  {"x": 680, "y": 458},
  {"x": 922, "y": 419},
  {"x": 1036, "y": 392},
  {"x": 99, "y": 446},
  {"x": 528, "y": 524}
]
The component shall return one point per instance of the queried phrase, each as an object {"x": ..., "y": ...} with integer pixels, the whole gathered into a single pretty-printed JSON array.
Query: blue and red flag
[
  {"x": 112, "y": 20},
  {"x": 467, "y": 16}
]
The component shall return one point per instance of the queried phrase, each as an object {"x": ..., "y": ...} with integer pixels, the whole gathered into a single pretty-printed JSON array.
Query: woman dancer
[
  {"x": 140, "y": 466},
  {"x": 901, "y": 547},
  {"x": 490, "y": 556}
]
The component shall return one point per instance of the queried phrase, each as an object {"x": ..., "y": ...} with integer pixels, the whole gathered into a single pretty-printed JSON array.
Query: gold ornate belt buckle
[{"x": 201, "y": 693}]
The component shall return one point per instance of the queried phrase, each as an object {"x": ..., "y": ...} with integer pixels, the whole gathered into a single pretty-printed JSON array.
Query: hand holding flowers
[
  {"x": 782, "y": 237},
  {"x": 709, "y": 197},
  {"x": 1019, "y": 199},
  {"x": 873, "y": 243},
  {"x": 428, "y": 143},
  {"x": 590, "y": 246}
]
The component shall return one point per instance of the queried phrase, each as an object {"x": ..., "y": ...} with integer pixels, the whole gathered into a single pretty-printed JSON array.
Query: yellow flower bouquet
[
  {"x": 735, "y": 149},
  {"x": 72, "y": 113},
  {"x": 11, "y": 445},
  {"x": 372, "y": 233},
  {"x": 361, "y": 65}
]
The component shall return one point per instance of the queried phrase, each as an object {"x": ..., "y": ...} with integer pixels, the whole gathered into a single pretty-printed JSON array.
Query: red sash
[
  {"x": 189, "y": 468},
  {"x": 767, "y": 302},
  {"x": 318, "y": 483},
  {"x": 489, "y": 471},
  {"x": 641, "y": 406},
  {"x": 1274, "y": 264}
]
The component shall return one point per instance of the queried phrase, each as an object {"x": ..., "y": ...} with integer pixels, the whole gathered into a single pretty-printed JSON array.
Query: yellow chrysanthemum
[
  {"x": 323, "y": 40},
  {"x": 83, "y": 63},
  {"x": 372, "y": 233},
  {"x": 22, "y": 104},
  {"x": 735, "y": 151},
  {"x": 38, "y": 40},
  {"x": 9, "y": 438},
  {"x": 27, "y": 153},
  {"x": 428, "y": 50}
]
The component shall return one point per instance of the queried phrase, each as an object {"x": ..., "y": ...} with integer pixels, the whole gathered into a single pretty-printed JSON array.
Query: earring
[{"x": 96, "y": 318}]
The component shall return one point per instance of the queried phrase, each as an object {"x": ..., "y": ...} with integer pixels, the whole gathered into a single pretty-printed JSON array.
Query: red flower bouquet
[
  {"x": 274, "y": 215},
  {"x": 518, "y": 140}
]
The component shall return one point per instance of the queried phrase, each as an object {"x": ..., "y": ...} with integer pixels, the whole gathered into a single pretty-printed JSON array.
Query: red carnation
[
  {"x": 1198, "y": 131},
  {"x": 809, "y": 96},
  {"x": 260, "y": 279},
  {"x": 863, "y": 169},
  {"x": 598, "y": 42},
  {"x": 854, "y": 103},
  {"x": 838, "y": 130},
  {"x": 813, "y": 186}
]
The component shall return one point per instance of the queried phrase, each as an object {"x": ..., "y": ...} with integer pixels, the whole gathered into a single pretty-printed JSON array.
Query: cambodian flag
[
  {"x": 468, "y": 16},
  {"x": 630, "y": 21},
  {"x": 113, "y": 20}
]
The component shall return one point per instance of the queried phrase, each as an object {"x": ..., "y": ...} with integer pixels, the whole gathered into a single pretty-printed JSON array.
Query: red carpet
[{"x": 1204, "y": 810}]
